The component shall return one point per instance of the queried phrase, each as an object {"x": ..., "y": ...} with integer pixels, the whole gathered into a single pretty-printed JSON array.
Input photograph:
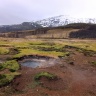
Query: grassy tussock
[
  {"x": 44, "y": 74},
  {"x": 4, "y": 50},
  {"x": 12, "y": 65},
  {"x": 7, "y": 78}
]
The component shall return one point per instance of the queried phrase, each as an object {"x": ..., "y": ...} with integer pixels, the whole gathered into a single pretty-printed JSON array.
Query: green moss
[
  {"x": 44, "y": 50},
  {"x": 46, "y": 47},
  {"x": 85, "y": 51},
  {"x": 1, "y": 67},
  {"x": 12, "y": 65},
  {"x": 7, "y": 78},
  {"x": 4, "y": 51},
  {"x": 44, "y": 74},
  {"x": 94, "y": 63}
]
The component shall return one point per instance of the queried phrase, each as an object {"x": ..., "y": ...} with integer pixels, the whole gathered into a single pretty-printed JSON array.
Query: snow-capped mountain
[
  {"x": 63, "y": 20},
  {"x": 49, "y": 22}
]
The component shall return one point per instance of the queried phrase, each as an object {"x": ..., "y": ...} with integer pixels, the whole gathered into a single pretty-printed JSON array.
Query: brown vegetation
[{"x": 78, "y": 30}]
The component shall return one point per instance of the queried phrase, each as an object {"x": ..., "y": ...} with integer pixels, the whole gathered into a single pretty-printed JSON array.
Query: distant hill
[
  {"x": 20, "y": 27},
  {"x": 87, "y": 32}
]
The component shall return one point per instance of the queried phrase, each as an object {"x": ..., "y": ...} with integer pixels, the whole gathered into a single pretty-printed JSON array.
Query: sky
[{"x": 18, "y": 11}]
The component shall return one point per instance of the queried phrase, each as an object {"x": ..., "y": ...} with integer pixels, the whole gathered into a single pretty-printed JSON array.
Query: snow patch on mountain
[{"x": 63, "y": 20}]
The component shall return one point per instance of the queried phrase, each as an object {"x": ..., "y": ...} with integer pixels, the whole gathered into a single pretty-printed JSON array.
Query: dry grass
[{"x": 55, "y": 33}]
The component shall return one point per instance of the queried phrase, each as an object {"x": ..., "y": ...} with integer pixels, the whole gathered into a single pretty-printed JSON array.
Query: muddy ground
[{"x": 76, "y": 77}]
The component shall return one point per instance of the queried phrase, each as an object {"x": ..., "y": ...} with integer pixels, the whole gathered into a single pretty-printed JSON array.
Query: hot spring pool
[
  {"x": 30, "y": 63},
  {"x": 34, "y": 63}
]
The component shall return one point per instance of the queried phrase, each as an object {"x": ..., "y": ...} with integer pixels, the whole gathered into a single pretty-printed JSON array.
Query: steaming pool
[{"x": 34, "y": 63}]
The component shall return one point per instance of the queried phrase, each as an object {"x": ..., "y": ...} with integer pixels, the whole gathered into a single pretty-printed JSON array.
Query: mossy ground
[
  {"x": 51, "y": 48},
  {"x": 12, "y": 65},
  {"x": 7, "y": 78},
  {"x": 44, "y": 74},
  {"x": 93, "y": 63}
]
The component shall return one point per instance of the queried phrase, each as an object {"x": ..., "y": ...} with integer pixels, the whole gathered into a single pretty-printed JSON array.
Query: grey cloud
[{"x": 17, "y": 11}]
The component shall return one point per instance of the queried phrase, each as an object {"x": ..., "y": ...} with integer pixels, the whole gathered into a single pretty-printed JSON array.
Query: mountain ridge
[
  {"x": 55, "y": 21},
  {"x": 62, "y": 20}
]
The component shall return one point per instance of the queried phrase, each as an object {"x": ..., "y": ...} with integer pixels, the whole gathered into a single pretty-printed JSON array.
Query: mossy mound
[
  {"x": 12, "y": 65},
  {"x": 7, "y": 78},
  {"x": 46, "y": 75}
]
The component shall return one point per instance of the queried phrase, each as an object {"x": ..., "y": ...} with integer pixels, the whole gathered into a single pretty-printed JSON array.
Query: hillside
[
  {"x": 19, "y": 27},
  {"x": 75, "y": 30}
]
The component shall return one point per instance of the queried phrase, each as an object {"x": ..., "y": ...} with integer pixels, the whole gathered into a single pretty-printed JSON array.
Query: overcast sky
[{"x": 18, "y": 11}]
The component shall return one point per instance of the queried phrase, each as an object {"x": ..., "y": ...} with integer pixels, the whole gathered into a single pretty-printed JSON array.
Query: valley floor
[{"x": 75, "y": 70}]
